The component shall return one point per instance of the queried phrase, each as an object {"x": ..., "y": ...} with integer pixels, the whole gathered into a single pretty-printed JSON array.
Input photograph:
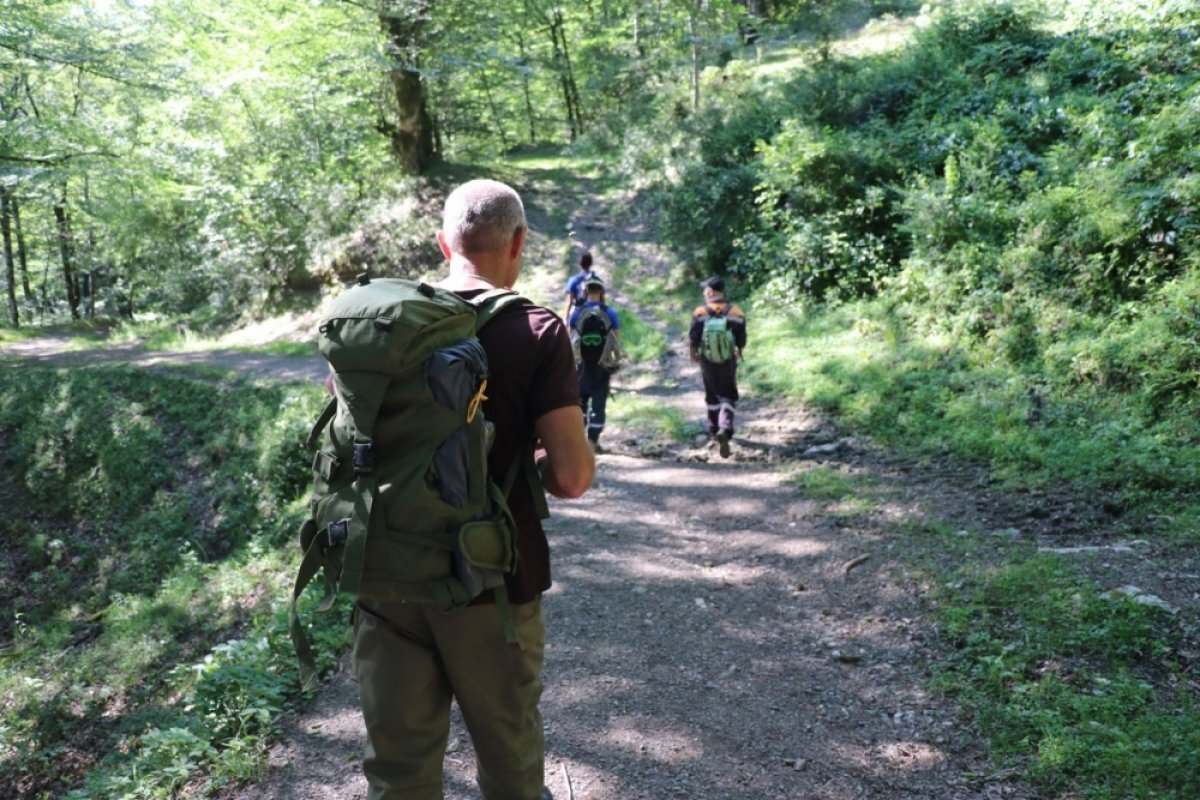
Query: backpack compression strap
[{"x": 353, "y": 529}]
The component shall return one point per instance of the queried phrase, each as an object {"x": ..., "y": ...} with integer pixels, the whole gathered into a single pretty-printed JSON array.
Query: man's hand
[{"x": 562, "y": 453}]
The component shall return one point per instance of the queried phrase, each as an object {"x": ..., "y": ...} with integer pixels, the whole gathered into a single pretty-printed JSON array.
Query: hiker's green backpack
[
  {"x": 403, "y": 506},
  {"x": 716, "y": 340},
  {"x": 592, "y": 340}
]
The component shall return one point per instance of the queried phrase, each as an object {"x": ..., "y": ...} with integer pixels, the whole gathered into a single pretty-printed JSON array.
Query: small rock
[{"x": 1143, "y": 598}]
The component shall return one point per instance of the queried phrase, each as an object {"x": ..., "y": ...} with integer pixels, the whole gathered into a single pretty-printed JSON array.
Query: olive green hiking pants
[{"x": 411, "y": 659}]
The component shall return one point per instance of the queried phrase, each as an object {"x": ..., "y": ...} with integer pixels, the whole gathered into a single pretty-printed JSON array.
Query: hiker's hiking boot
[
  {"x": 546, "y": 794},
  {"x": 723, "y": 437}
]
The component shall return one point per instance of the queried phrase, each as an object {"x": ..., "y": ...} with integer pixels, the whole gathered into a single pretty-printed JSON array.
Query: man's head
[
  {"x": 594, "y": 287},
  {"x": 481, "y": 216},
  {"x": 585, "y": 262},
  {"x": 713, "y": 287}
]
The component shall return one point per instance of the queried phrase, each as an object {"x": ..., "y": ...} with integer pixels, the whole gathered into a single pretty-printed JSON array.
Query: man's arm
[{"x": 567, "y": 464}]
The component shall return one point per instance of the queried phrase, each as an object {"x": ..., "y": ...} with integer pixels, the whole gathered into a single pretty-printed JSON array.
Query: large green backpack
[
  {"x": 716, "y": 340},
  {"x": 403, "y": 506}
]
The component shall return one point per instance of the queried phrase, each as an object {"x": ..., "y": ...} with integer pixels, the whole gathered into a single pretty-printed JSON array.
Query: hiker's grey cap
[{"x": 714, "y": 283}]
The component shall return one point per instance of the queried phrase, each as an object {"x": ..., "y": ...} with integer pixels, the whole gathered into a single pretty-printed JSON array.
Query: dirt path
[
  {"x": 708, "y": 637},
  {"x": 715, "y": 632}
]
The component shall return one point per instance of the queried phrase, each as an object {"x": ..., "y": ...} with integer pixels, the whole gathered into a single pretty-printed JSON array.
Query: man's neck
[{"x": 465, "y": 276}]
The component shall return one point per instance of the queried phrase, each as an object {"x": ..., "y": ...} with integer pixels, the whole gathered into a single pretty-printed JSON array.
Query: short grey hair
[{"x": 482, "y": 216}]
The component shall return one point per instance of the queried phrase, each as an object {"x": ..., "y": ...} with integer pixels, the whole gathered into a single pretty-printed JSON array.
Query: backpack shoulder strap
[
  {"x": 599, "y": 312},
  {"x": 487, "y": 306},
  {"x": 491, "y": 303}
]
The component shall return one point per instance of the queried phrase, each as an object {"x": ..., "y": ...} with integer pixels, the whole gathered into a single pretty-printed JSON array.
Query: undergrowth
[
  {"x": 144, "y": 639},
  {"x": 1085, "y": 691}
]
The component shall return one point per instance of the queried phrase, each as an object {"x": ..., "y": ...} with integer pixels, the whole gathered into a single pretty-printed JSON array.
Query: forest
[{"x": 965, "y": 229}]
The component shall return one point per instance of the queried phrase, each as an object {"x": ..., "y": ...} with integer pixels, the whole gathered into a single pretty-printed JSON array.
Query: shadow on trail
[{"x": 704, "y": 614}]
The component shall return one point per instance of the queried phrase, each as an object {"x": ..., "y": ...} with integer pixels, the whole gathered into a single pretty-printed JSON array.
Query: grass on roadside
[
  {"x": 1085, "y": 690},
  {"x": 644, "y": 414},
  {"x": 144, "y": 638},
  {"x": 926, "y": 393}
]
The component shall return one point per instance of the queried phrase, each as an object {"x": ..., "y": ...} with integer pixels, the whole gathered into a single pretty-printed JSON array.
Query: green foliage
[
  {"x": 150, "y": 504},
  {"x": 1052, "y": 420},
  {"x": 643, "y": 343},
  {"x": 1062, "y": 677},
  {"x": 823, "y": 483},
  {"x": 649, "y": 417},
  {"x": 986, "y": 155}
]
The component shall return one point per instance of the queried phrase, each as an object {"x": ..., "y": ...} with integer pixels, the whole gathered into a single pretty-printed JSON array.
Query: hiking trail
[{"x": 713, "y": 631}]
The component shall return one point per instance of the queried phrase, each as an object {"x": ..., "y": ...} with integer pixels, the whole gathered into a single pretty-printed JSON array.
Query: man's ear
[
  {"x": 517, "y": 243},
  {"x": 442, "y": 243}
]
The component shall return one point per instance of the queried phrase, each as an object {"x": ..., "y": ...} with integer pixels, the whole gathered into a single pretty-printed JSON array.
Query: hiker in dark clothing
[
  {"x": 716, "y": 339},
  {"x": 592, "y": 324},
  {"x": 411, "y": 658}
]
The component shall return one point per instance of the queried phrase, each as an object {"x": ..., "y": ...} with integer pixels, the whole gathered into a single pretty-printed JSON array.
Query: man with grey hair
[{"x": 412, "y": 659}]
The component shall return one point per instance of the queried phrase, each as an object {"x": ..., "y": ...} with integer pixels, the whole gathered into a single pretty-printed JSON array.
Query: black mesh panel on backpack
[{"x": 593, "y": 327}]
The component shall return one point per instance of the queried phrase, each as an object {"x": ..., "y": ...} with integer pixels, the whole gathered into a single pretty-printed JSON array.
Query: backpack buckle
[
  {"x": 338, "y": 532},
  {"x": 364, "y": 456}
]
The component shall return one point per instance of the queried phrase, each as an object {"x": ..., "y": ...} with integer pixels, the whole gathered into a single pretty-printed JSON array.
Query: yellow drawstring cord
[{"x": 476, "y": 402}]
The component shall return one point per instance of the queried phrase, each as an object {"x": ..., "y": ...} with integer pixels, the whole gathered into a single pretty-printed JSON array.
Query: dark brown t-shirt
[{"x": 531, "y": 372}]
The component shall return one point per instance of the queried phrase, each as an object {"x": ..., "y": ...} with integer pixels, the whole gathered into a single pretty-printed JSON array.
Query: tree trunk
[
  {"x": 62, "y": 225},
  {"x": 22, "y": 253},
  {"x": 562, "y": 61},
  {"x": 525, "y": 88},
  {"x": 491, "y": 101},
  {"x": 695, "y": 34},
  {"x": 126, "y": 302},
  {"x": 572, "y": 86},
  {"x": 14, "y": 315},
  {"x": 412, "y": 133}
]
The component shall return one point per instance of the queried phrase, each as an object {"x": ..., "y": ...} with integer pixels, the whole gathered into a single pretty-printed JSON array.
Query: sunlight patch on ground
[
  {"x": 592, "y": 688},
  {"x": 286, "y": 328},
  {"x": 910, "y": 755},
  {"x": 880, "y": 35},
  {"x": 666, "y": 746}
]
